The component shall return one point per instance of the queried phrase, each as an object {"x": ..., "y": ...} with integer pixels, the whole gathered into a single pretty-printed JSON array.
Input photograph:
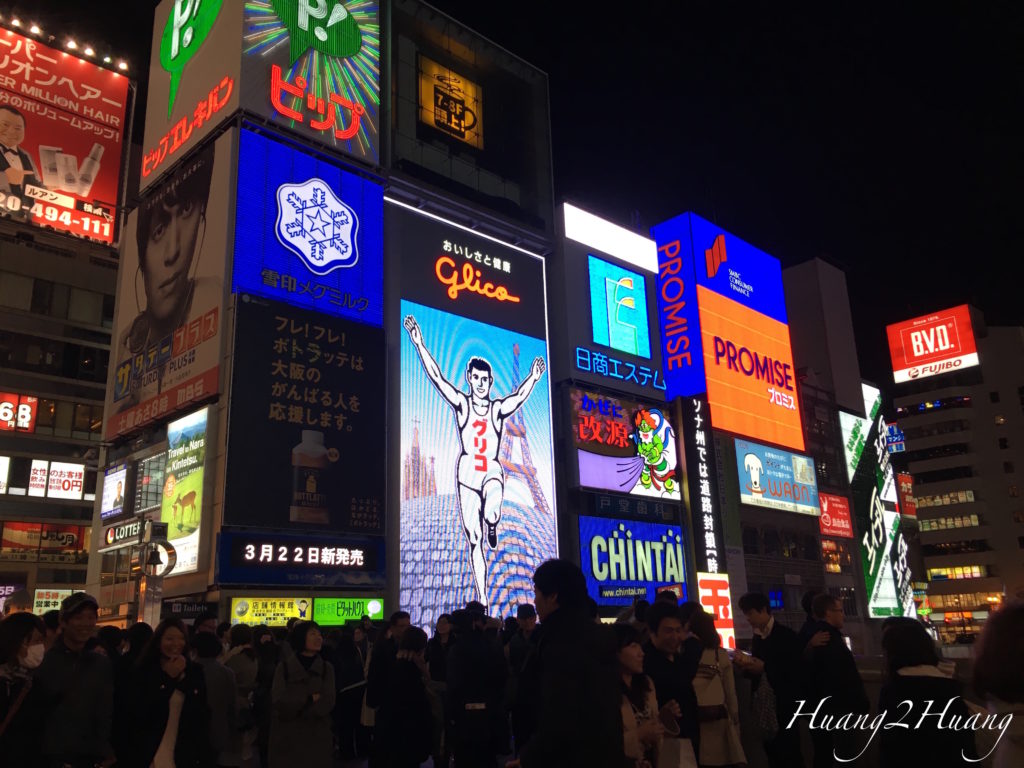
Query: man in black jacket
[
  {"x": 776, "y": 654},
  {"x": 575, "y": 671},
  {"x": 670, "y": 660},
  {"x": 382, "y": 661}
]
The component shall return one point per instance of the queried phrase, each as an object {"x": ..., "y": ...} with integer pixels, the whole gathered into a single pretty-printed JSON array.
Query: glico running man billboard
[
  {"x": 476, "y": 442},
  {"x": 724, "y": 330},
  {"x": 941, "y": 342}
]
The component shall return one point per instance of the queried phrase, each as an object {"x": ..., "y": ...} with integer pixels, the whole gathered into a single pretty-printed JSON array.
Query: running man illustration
[{"x": 480, "y": 420}]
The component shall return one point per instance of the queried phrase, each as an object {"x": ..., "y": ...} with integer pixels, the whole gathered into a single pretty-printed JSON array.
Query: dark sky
[{"x": 888, "y": 139}]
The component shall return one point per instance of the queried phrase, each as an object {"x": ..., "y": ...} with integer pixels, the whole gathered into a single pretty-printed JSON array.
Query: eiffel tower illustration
[{"x": 515, "y": 429}]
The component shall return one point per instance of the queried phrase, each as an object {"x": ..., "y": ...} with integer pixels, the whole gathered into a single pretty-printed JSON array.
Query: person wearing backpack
[{"x": 717, "y": 707}]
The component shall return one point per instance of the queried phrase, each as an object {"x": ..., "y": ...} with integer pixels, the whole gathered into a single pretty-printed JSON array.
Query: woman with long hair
[
  {"x": 643, "y": 723},
  {"x": 22, "y": 647},
  {"x": 169, "y": 717},
  {"x": 302, "y": 699},
  {"x": 718, "y": 710},
  {"x": 241, "y": 659}
]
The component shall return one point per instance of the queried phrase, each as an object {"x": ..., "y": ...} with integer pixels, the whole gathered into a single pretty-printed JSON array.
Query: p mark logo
[
  {"x": 186, "y": 29},
  {"x": 715, "y": 255},
  {"x": 315, "y": 225},
  {"x": 322, "y": 25}
]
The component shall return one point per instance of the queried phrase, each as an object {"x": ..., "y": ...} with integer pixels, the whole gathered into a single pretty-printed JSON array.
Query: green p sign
[
  {"x": 333, "y": 611},
  {"x": 325, "y": 25},
  {"x": 186, "y": 29}
]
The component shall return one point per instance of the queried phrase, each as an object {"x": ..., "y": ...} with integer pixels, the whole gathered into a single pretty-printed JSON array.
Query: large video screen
[
  {"x": 478, "y": 508},
  {"x": 182, "y": 505},
  {"x": 776, "y": 479},
  {"x": 115, "y": 490}
]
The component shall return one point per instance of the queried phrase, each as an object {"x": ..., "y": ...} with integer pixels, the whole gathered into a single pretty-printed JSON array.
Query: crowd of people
[{"x": 552, "y": 686}]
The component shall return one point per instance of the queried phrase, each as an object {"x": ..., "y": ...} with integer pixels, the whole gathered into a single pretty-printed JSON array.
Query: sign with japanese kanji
[
  {"x": 450, "y": 103},
  {"x": 702, "y": 474},
  {"x": 270, "y": 611},
  {"x": 62, "y": 124},
  {"x": 308, "y": 233},
  {"x": 332, "y": 611},
  {"x": 267, "y": 557},
  {"x": 49, "y": 600},
  {"x": 194, "y": 73},
  {"x": 170, "y": 298},
  {"x": 715, "y": 597},
  {"x": 625, "y": 446},
  {"x": 306, "y": 448},
  {"x": 17, "y": 412}
]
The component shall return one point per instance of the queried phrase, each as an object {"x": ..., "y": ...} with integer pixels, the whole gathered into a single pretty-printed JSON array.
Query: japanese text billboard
[
  {"x": 314, "y": 66},
  {"x": 17, "y": 412},
  {"x": 270, "y": 611},
  {"x": 65, "y": 481},
  {"x": 905, "y": 491},
  {"x": 835, "y": 516},
  {"x": 702, "y": 476},
  {"x": 941, "y": 342},
  {"x": 715, "y": 597},
  {"x": 450, "y": 103},
  {"x": 693, "y": 252},
  {"x": 62, "y": 123},
  {"x": 49, "y": 600},
  {"x": 306, "y": 446},
  {"x": 170, "y": 296},
  {"x": 182, "y": 505},
  {"x": 332, "y": 611},
  {"x": 854, "y": 429},
  {"x": 193, "y": 79},
  {"x": 308, "y": 233},
  {"x": 476, "y": 434},
  {"x": 625, "y": 446},
  {"x": 776, "y": 479},
  {"x": 623, "y": 560}
]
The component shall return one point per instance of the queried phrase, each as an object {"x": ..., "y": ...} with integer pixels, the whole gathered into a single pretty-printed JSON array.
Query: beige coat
[
  {"x": 630, "y": 725},
  {"x": 719, "y": 739}
]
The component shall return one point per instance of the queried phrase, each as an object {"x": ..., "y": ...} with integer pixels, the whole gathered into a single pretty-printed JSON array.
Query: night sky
[{"x": 888, "y": 140}]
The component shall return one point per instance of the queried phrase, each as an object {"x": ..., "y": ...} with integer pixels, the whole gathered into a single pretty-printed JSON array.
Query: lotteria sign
[
  {"x": 624, "y": 560},
  {"x": 776, "y": 479},
  {"x": 925, "y": 346},
  {"x": 122, "y": 535}
]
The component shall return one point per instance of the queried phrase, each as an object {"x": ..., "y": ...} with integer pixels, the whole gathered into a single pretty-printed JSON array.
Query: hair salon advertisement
[
  {"x": 170, "y": 296},
  {"x": 62, "y": 120}
]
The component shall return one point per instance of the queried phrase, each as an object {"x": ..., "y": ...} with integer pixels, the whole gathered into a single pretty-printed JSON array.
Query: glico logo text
[{"x": 774, "y": 372}]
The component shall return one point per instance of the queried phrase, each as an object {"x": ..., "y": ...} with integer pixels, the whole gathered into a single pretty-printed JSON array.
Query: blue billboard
[
  {"x": 307, "y": 232},
  {"x": 618, "y": 307},
  {"x": 624, "y": 560},
  {"x": 776, "y": 479},
  {"x": 692, "y": 252}
]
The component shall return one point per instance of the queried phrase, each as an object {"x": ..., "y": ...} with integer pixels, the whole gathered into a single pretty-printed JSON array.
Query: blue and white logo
[{"x": 317, "y": 226}]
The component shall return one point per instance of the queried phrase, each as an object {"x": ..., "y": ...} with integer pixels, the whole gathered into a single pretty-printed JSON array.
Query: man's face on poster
[
  {"x": 12, "y": 129},
  {"x": 170, "y": 248},
  {"x": 479, "y": 382}
]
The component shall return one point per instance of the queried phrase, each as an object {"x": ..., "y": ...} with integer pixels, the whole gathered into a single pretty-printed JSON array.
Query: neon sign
[
  {"x": 618, "y": 307},
  {"x": 179, "y": 134},
  {"x": 592, "y": 361}
]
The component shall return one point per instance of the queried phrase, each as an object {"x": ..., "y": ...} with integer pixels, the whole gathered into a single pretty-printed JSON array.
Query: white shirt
[{"x": 763, "y": 633}]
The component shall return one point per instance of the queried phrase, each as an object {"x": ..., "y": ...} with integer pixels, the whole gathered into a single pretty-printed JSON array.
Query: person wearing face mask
[
  {"x": 21, "y": 651},
  {"x": 169, "y": 715}
]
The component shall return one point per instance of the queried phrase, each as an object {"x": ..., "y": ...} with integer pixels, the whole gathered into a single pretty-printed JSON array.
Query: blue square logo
[{"x": 618, "y": 308}]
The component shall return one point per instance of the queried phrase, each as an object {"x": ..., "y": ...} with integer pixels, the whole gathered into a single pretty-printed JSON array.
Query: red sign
[
  {"x": 835, "y": 516},
  {"x": 715, "y": 598},
  {"x": 932, "y": 344},
  {"x": 17, "y": 412},
  {"x": 905, "y": 486},
  {"x": 61, "y": 129}
]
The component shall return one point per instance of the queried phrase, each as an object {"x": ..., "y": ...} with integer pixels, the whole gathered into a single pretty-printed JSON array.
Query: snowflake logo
[{"x": 317, "y": 226}]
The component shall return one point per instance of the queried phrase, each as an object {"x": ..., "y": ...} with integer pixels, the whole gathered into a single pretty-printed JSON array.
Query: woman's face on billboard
[{"x": 170, "y": 249}]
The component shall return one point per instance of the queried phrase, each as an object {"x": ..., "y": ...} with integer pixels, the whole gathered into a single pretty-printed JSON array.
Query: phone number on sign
[{"x": 60, "y": 218}]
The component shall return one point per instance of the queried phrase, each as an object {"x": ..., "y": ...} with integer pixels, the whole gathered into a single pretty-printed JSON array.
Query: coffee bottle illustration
[{"x": 309, "y": 466}]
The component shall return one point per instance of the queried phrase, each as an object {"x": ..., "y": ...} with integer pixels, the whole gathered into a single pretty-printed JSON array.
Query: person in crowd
[
  {"x": 19, "y": 601},
  {"x": 520, "y": 643},
  {"x": 362, "y": 641},
  {"x": 666, "y": 596},
  {"x": 110, "y": 642},
  {"x": 207, "y": 622},
  {"x": 350, "y": 680},
  {"x": 509, "y": 629},
  {"x": 999, "y": 679},
  {"x": 222, "y": 635},
  {"x": 670, "y": 660},
  {"x": 718, "y": 709},
  {"x": 303, "y": 697},
  {"x": 136, "y": 638},
  {"x": 437, "y": 649},
  {"x": 51, "y": 619},
  {"x": 776, "y": 654},
  {"x": 22, "y": 649},
  {"x": 73, "y": 693},
  {"x": 383, "y": 657},
  {"x": 913, "y": 675},
  {"x": 222, "y": 700},
  {"x": 572, "y": 679},
  {"x": 643, "y": 722},
  {"x": 833, "y": 678},
  {"x": 268, "y": 654},
  {"x": 476, "y": 679},
  {"x": 168, "y": 721},
  {"x": 810, "y": 628},
  {"x": 241, "y": 659},
  {"x": 405, "y": 721}
]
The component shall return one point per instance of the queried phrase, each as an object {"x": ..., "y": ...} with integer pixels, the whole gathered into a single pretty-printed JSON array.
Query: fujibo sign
[{"x": 623, "y": 559}]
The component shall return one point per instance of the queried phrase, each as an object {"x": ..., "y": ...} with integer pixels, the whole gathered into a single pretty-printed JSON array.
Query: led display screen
[
  {"x": 307, "y": 233},
  {"x": 270, "y": 611},
  {"x": 854, "y": 429},
  {"x": 450, "y": 103},
  {"x": 476, "y": 436},
  {"x": 905, "y": 491},
  {"x": 62, "y": 120},
  {"x": 115, "y": 488},
  {"x": 624, "y": 560},
  {"x": 925, "y": 346},
  {"x": 776, "y": 479},
  {"x": 166, "y": 348},
  {"x": 182, "y": 505},
  {"x": 332, "y": 611},
  {"x": 835, "y": 516},
  {"x": 625, "y": 446},
  {"x": 17, "y": 412},
  {"x": 618, "y": 308}
]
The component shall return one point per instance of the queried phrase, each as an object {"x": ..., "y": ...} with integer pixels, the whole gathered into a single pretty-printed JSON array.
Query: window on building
[
  {"x": 1014, "y": 491},
  {"x": 1018, "y": 516},
  {"x": 1004, "y": 443},
  {"x": 15, "y": 291},
  {"x": 949, "y": 523},
  {"x": 772, "y": 544},
  {"x": 993, "y": 397},
  {"x": 1008, "y": 467},
  {"x": 1000, "y": 421},
  {"x": 958, "y": 572},
  {"x": 1020, "y": 542},
  {"x": 848, "y": 597},
  {"x": 750, "y": 543}
]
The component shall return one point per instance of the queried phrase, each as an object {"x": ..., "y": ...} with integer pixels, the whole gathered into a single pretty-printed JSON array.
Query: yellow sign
[
  {"x": 451, "y": 103},
  {"x": 272, "y": 611}
]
